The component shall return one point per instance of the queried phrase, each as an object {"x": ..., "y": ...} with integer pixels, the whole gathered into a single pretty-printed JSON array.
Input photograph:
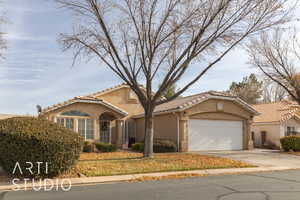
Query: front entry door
[{"x": 105, "y": 132}]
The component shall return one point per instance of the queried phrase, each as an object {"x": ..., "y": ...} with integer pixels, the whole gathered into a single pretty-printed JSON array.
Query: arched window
[{"x": 75, "y": 113}]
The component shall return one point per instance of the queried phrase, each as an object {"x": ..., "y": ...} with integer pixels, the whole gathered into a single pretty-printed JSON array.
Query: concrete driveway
[{"x": 260, "y": 157}]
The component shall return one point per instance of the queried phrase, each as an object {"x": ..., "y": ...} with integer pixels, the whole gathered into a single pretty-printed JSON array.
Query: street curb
[{"x": 132, "y": 177}]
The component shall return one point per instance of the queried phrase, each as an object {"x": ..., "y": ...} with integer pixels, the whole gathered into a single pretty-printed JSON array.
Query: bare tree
[
  {"x": 273, "y": 92},
  {"x": 146, "y": 40},
  {"x": 276, "y": 55}
]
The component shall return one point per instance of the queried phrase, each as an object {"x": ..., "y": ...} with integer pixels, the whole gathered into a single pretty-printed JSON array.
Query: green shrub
[
  {"x": 162, "y": 146},
  {"x": 106, "y": 147},
  {"x": 88, "y": 147},
  {"x": 290, "y": 143},
  {"x": 159, "y": 146},
  {"x": 28, "y": 139},
  {"x": 139, "y": 147}
]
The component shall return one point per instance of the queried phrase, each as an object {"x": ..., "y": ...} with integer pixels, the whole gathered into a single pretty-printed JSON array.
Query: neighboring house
[
  {"x": 275, "y": 121},
  {"x": 206, "y": 121}
]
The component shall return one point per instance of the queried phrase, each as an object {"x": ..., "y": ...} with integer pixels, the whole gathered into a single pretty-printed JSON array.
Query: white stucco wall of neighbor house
[{"x": 273, "y": 133}]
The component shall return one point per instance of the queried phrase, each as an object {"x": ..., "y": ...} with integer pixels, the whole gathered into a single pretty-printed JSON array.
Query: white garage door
[{"x": 215, "y": 135}]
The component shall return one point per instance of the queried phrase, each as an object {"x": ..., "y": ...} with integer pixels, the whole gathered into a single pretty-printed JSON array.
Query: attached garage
[
  {"x": 215, "y": 135},
  {"x": 203, "y": 122}
]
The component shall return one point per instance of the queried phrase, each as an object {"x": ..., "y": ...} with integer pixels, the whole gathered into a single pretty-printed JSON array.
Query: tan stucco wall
[
  {"x": 210, "y": 106},
  {"x": 165, "y": 126},
  {"x": 216, "y": 116},
  {"x": 120, "y": 98},
  {"x": 94, "y": 110}
]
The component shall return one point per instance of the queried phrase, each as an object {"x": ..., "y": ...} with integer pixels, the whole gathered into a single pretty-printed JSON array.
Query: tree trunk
[{"x": 149, "y": 134}]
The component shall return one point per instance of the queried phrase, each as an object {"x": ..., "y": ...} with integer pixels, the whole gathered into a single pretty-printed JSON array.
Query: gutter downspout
[{"x": 177, "y": 129}]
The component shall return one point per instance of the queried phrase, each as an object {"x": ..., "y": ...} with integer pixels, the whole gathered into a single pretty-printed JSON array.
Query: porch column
[
  {"x": 119, "y": 132},
  {"x": 248, "y": 129},
  {"x": 97, "y": 129},
  {"x": 183, "y": 135}
]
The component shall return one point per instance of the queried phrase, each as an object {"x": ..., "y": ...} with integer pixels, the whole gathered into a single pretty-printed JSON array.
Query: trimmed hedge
[
  {"x": 163, "y": 146},
  {"x": 290, "y": 143},
  {"x": 139, "y": 147},
  {"x": 159, "y": 146},
  {"x": 28, "y": 139},
  {"x": 106, "y": 147},
  {"x": 88, "y": 147}
]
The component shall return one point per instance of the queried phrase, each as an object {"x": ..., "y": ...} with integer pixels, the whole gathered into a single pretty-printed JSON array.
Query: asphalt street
[{"x": 284, "y": 185}]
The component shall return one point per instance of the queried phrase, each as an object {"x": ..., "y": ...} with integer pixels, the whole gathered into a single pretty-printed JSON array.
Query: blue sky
[{"x": 36, "y": 71}]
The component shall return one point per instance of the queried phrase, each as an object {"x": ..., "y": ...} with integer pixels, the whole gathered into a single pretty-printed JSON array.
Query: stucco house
[
  {"x": 275, "y": 121},
  {"x": 205, "y": 121}
]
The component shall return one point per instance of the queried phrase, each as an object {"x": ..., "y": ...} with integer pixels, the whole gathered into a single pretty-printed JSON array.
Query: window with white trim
[
  {"x": 290, "y": 130},
  {"x": 78, "y": 121},
  {"x": 86, "y": 128},
  {"x": 66, "y": 122}
]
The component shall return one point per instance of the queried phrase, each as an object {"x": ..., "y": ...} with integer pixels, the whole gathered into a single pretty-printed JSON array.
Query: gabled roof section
[
  {"x": 183, "y": 103},
  {"x": 96, "y": 94},
  {"x": 93, "y": 98},
  {"x": 108, "y": 90},
  {"x": 85, "y": 99},
  {"x": 277, "y": 112}
]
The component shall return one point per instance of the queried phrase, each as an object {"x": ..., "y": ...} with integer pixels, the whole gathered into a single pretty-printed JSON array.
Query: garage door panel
[{"x": 215, "y": 135}]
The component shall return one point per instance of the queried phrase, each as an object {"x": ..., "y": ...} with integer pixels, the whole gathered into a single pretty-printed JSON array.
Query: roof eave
[
  {"x": 183, "y": 108},
  {"x": 236, "y": 99},
  {"x": 101, "y": 102}
]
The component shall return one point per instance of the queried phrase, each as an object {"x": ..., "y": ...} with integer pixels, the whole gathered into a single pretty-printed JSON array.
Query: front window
[
  {"x": 66, "y": 122},
  {"x": 86, "y": 128},
  {"x": 78, "y": 121},
  {"x": 290, "y": 130},
  {"x": 70, "y": 123}
]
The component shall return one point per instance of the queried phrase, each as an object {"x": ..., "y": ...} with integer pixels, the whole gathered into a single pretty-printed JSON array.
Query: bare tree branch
[{"x": 276, "y": 55}]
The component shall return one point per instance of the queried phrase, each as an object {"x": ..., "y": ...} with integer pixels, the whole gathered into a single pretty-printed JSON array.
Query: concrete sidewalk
[{"x": 122, "y": 178}]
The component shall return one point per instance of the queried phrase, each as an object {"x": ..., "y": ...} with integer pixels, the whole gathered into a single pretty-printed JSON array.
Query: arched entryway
[{"x": 108, "y": 128}]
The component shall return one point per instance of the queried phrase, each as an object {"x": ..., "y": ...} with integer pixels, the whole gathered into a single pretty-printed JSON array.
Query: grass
[{"x": 118, "y": 163}]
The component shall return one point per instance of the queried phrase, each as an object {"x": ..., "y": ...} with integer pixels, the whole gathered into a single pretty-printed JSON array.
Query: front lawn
[{"x": 105, "y": 164}]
